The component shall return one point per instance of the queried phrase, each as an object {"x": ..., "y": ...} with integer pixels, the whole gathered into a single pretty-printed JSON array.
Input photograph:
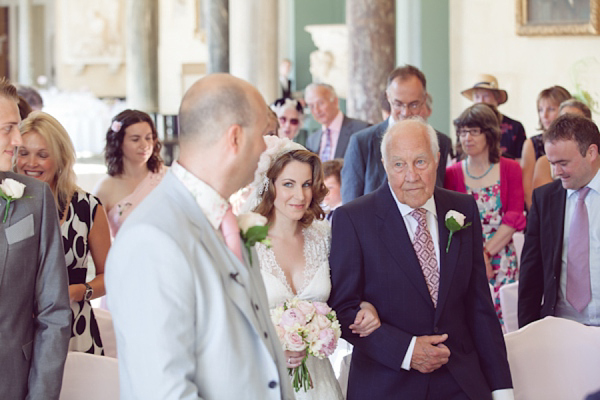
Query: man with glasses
[
  {"x": 331, "y": 140},
  {"x": 363, "y": 170}
]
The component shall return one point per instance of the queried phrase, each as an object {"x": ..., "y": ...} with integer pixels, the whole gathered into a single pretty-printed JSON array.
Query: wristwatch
[{"x": 88, "y": 292}]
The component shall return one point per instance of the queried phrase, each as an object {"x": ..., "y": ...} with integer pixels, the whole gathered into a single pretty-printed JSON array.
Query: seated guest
[
  {"x": 486, "y": 90},
  {"x": 48, "y": 155},
  {"x": 332, "y": 170},
  {"x": 548, "y": 103},
  {"x": 132, "y": 155},
  {"x": 290, "y": 115},
  {"x": 496, "y": 184},
  {"x": 332, "y": 139},
  {"x": 542, "y": 173},
  {"x": 31, "y": 96},
  {"x": 560, "y": 272}
]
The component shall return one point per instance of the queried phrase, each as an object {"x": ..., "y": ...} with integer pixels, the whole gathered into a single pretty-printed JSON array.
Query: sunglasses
[{"x": 293, "y": 121}]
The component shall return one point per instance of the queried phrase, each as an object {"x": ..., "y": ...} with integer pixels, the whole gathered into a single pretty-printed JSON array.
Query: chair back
[
  {"x": 90, "y": 377},
  {"x": 107, "y": 332},
  {"x": 554, "y": 359},
  {"x": 509, "y": 295}
]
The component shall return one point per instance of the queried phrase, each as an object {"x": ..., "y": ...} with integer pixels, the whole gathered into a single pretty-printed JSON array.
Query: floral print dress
[{"x": 504, "y": 263}]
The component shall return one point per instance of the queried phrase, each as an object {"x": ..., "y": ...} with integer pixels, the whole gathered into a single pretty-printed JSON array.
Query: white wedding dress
[{"x": 317, "y": 285}]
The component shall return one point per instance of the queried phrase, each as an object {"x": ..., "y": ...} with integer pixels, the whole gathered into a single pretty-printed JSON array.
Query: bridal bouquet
[{"x": 306, "y": 325}]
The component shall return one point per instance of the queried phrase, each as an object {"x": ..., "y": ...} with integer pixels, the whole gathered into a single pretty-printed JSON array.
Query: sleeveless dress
[
  {"x": 504, "y": 263},
  {"x": 85, "y": 335},
  {"x": 317, "y": 285}
]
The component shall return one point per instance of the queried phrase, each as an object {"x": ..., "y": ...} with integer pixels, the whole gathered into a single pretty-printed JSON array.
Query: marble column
[
  {"x": 25, "y": 68},
  {"x": 216, "y": 21},
  {"x": 371, "y": 36},
  {"x": 253, "y": 44},
  {"x": 141, "y": 54}
]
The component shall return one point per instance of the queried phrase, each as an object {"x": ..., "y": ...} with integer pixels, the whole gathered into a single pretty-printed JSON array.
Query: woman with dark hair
[
  {"x": 496, "y": 184},
  {"x": 132, "y": 155},
  {"x": 288, "y": 189}
]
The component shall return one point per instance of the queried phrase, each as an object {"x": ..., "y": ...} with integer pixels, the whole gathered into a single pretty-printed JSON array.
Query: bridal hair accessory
[
  {"x": 116, "y": 126},
  {"x": 276, "y": 147}
]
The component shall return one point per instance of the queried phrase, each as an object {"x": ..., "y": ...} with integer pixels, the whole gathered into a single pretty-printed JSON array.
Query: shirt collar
[
  {"x": 336, "y": 124},
  {"x": 594, "y": 185},
  {"x": 405, "y": 210},
  {"x": 391, "y": 120},
  {"x": 210, "y": 202}
]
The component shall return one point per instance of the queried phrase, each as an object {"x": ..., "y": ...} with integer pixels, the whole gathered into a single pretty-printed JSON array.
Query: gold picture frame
[{"x": 557, "y": 17}]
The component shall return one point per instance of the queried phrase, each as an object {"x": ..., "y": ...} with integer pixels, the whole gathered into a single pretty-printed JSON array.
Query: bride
[{"x": 287, "y": 189}]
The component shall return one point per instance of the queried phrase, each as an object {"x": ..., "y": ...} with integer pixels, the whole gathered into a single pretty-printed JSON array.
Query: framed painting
[{"x": 558, "y": 17}]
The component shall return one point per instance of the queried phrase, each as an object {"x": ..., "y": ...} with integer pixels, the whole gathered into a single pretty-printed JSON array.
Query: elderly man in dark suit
[
  {"x": 35, "y": 316},
  {"x": 439, "y": 336},
  {"x": 407, "y": 94},
  {"x": 331, "y": 140},
  {"x": 560, "y": 268}
]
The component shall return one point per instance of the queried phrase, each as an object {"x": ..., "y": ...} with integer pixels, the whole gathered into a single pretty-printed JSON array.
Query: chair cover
[
  {"x": 90, "y": 377},
  {"x": 107, "y": 332},
  {"x": 509, "y": 295}
]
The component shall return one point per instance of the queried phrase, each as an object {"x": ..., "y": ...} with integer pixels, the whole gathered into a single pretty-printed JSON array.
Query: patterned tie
[
  {"x": 231, "y": 233},
  {"x": 579, "y": 288},
  {"x": 326, "y": 154},
  {"x": 423, "y": 245}
]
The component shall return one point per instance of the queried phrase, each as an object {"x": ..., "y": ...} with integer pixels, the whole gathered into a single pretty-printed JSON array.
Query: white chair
[
  {"x": 90, "y": 377},
  {"x": 554, "y": 359},
  {"x": 107, "y": 332},
  {"x": 518, "y": 240},
  {"x": 509, "y": 295}
]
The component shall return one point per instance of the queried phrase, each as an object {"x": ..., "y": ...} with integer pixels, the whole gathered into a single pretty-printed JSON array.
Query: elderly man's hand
[{"x": 429, "y": 353}]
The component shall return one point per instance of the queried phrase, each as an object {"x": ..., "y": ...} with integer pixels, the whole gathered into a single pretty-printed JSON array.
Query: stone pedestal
[
  {"x": 371, "y": 56},
  {"x": 216, "y": 21},
  {"x": 25, "y": 43},
  {"x": 141, "y": 18},
  {"x": 253, "y": 44}
]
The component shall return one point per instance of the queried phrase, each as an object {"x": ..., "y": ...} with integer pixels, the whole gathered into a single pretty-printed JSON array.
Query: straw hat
[{"x": 489, "y": 82}]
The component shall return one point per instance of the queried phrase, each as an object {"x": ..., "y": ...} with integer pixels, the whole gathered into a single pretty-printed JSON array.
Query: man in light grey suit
[
  {"x": 191, "y": 314},
  {"x": 35, "y": 316},
  {"x": 332, "y": 139}
]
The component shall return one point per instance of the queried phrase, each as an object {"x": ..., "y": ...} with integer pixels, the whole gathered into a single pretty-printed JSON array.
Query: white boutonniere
[
  {"x": 455, "y": 222},
  {"x": 11, "y": 190},
  {"x": 254, "y": 229}
]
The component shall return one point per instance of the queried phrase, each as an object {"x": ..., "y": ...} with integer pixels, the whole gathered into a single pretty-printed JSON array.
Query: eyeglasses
[
  {"x": 293, "y": 121},
  {"x": 412, "y": 106},
  {"x": 472, "y": 131}
]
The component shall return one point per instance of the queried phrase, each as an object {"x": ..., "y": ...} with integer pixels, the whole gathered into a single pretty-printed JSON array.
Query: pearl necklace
[{"x": 480, "y": 176}]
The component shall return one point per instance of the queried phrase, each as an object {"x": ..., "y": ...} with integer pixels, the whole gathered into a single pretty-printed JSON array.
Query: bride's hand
[
  {"x": 293, "y": 359},
  {"x": 366, "y": 321}
]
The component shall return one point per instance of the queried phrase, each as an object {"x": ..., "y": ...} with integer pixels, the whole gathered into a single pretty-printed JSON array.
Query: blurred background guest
[
  {"x": 31, "y": 96},
  {"x": 47, "y": 154},
  {"x": 24, "y": 108},
  {"x": 495, "y": 183},
  {"x": 273, "y": 128},
  {"x": 132, "y": 156},
  {"x": 548, "y": 102},
  {"x": 285, "y": 68},
  {"x": 291, "y": 116},
  {"x": 332, "y": 172}
]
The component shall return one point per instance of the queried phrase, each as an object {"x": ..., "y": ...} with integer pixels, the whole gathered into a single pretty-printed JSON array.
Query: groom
[
  {"x": 439, "y": 336},
  {"x": 190, "y": 310}
]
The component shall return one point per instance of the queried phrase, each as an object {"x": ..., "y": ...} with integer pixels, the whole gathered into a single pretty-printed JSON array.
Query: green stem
[
  {"x": 449, "y": 240},
  {"x": 6, "y": 210}
]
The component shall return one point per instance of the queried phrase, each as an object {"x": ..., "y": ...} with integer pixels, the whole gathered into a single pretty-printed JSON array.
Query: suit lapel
[
  {"x": 395, "y": 238},
  {"x": 342, "y": 142},
  {"x": 3, "y": 240},
  {"x": 557, "y": 221}
]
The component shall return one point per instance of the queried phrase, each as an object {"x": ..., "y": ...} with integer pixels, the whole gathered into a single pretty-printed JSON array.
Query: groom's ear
[{"x": 233, "y": 138}]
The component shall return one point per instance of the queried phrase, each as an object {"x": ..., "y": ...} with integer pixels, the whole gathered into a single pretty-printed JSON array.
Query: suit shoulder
[
  {"x": 368, "y": 132},
  {"x": 29, "y": 182},
  {"x": 452, "y": 197},
  {"x": 549, "y": 190},
  {"x": 357, "y": 123}
]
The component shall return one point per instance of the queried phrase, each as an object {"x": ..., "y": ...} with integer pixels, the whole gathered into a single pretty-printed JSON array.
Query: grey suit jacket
[
  {"x": 191, "y": 320},
  {"x": 35, "y": 317},
  {"x": 349, "y": 127}
]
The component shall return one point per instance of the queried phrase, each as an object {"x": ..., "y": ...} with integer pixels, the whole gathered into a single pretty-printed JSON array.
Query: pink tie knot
[{"x": 231, "y": 233}]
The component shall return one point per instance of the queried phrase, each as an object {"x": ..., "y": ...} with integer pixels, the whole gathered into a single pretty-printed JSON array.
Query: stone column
[
  {"x": 141, "y": 56},
  {"x": 253, "y": 44},
  {"x": 216, "y": 21},
  {"x": 25, "y": 43},
  {"x": 371, "y": 35}
]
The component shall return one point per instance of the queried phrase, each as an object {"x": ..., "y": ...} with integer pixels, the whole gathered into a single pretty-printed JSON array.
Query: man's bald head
[{"x": 213, "y": 104}]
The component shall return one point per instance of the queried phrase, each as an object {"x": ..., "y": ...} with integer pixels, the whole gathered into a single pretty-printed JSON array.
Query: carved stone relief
[{"x": 329, "y": 63}]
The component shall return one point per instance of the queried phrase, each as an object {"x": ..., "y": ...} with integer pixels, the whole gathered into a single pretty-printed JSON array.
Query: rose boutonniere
[
  {"x": 455, "y": 222},
  {"x": 254, "y": 229},
  {"x": 11, "y": 190}
]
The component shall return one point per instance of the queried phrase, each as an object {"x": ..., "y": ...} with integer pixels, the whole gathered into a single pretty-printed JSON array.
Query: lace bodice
[{"x": 317, "y": 281}]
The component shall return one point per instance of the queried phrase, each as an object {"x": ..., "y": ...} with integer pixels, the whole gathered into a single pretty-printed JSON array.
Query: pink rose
[
  {"x": 312, "y": 331},
  {"x": 328, "y": 341},
  {"x": 293, "y": 341},
  {"x": 306, "y": 308},
  {"x": 321, "y": 308},
  {"x": 280, "y": 333},
  {"x": 293, "y": 316},
  {"x": 322, "y": 321}
]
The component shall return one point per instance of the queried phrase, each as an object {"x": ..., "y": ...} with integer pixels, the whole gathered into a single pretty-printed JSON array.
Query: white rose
[
  {"x": 458, "y": 217},
  {"x": 12, "y": 188},
  {"x": 248, "y": 220}
]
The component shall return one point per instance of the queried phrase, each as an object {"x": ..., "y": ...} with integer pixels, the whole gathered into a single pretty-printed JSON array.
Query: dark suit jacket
[
  {"x": 372, "y": 259},
  {"x": 35, "y": 316},
  {"x": 542, "y": 253},
  {"x": 349, "y": 127},
  {"x": 363, "y": 170}
]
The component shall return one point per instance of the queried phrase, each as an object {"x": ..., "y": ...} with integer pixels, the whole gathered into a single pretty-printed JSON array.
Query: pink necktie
[
  {"x": 579, "y": 287},
  {"x": 326, "y": 156},
  {"x": 231, "y": 233},
  {"x": 423, "y": 245}
]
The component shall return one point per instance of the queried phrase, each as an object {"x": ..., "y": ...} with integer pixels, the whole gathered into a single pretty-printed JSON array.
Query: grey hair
[
  {"x": 429, "y": 101},
  {"x": 581, "y": 106},
  {"x": 433, "y": 139},
  {"x": 326, "y": 86}
]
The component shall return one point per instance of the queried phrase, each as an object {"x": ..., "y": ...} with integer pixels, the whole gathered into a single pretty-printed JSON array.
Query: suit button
[
  {"x": 436, "y": 329},
  {"x": 266, "y": 336},
  {"x": 256, "y": 306},
  {"x": 272, "y": 384}
]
